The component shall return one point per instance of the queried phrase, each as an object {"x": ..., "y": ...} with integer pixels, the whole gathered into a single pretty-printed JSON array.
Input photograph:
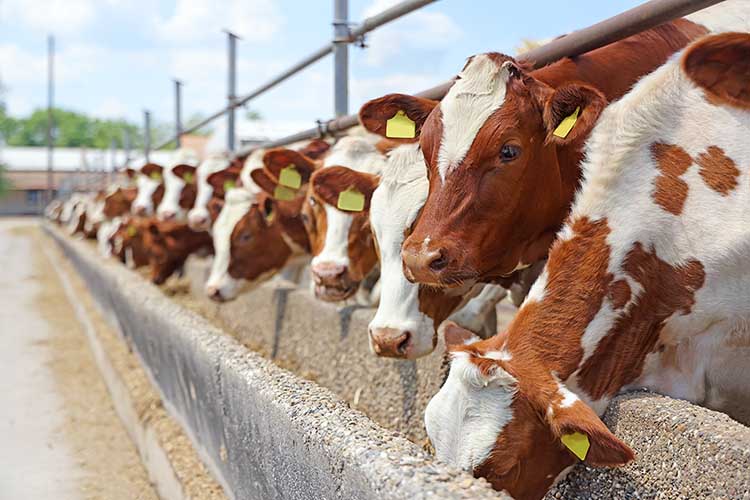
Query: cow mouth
[{"x": 335, "y": 293}]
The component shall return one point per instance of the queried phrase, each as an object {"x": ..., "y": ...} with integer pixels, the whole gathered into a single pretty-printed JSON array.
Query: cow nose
[
  {"x": 167, "y": 215},
  {"x": 139, "y": 211},
  {"x": 391, "y": 342},
  {"x": 327, "y": 272},
  {"x": 423, "y": 265},
  {"x": 214, "y": 294}
]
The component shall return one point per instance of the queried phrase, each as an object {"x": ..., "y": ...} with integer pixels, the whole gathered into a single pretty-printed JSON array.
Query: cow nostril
[
  {"x": 439, "y": 261},
  {"x": 404, "y": 344}
]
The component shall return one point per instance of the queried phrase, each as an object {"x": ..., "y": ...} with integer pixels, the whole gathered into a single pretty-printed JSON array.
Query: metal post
[
  {"x": 178, "y": 112},
  {"x": 112, "y": 162},
  {"x": 231, "y": 87},
  {"x": 146, "y": 134},
  {"x": 127, "y": 144},
  {"x": 50, "y": 118},
  {"x": 341, "y": 57}
]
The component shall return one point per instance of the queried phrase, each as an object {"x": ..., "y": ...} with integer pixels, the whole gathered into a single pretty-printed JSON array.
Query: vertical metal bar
[
  {"x": 178, "y": 112},
  {"x": 50, "y": 118},
  {"x": 146, "y": 134},
  {"x": 231, "y": 88},
  {"x": 341, "y": 57},
  {"x": 128, "y": 145},
  {"x": 112, "y": 162}
]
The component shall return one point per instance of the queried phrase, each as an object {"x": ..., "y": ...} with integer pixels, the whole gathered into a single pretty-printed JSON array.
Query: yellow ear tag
[
  {"x": 567, "y": 124},
  {"x": 228, "y": 185},
  {"x": 188, "y": 178},
  {"x": 289, "y": 177},
  {"x": 351, "y": 200},
  {"x": 577, "y": 443},
  {"x": 131, "y": 231},
  {"x": 400, "y": 127},
  {"x": 283, "y": 193},
  {"x": 155, "y": 176}
]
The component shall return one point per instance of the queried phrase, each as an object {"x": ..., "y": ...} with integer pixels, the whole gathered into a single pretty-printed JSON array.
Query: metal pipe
[
  {"x": 178, "y": 112},
  {"x": 50, "y": 117},
  {"x": 127, "y": 144},
  {"x": 369, "y": 24},
  {"x": 231, "y": 88},
  {"x": 623, "y": 25},
  {"x": 340, "y": 57},
  {"x": 146, "y": 134}
]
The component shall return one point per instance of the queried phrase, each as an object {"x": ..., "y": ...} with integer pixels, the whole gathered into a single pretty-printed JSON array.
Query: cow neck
[{"x": 613, "y": 70}]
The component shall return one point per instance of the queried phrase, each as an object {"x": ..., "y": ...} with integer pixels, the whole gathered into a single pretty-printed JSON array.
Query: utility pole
[
  {"x": 50, "y": 118},
  {"x": 146, "y": 134}
]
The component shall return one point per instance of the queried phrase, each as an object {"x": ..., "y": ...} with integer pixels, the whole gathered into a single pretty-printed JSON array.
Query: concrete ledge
[{"x": 263, "y": 432}]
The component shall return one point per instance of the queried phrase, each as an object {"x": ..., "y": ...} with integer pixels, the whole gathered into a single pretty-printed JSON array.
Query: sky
[{"x": 116, "y": 58}]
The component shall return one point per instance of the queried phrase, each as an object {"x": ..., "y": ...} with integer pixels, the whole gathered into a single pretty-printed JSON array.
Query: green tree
[{"x": 4, "y": 182}]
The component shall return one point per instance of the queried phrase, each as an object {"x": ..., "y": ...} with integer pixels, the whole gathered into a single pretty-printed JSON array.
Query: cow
[
  {"x": 168, "y": 244},
  {"x": 126, "y": 242},
  {"x": 501, "y": 180},
  {"x": 116, "y": 205},
  {"x": 150, "y": 189},
  {"x": 179, "y": 186},
  {"x": 647, "y": 284},
  {"x": 199, "y": 217},
  {"x": 94, "y": 214}
]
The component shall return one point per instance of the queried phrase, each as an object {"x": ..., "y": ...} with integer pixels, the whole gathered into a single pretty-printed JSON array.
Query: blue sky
[{"x": 117, "y": 57}]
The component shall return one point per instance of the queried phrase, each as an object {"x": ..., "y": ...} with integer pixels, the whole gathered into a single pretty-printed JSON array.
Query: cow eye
[
  {"x": 312, "y": 201},
  {"x": 509, "y": 152},
  {"x": 245, "y": 237}
]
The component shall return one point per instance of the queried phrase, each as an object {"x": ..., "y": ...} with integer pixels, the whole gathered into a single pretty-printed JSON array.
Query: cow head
[
  {"x": 118, "y": 202},
  {"x": 509, "y": 424},
  {"x": 127, "y": 243},
  {"x": 199, "y": 217},
  {"x": 150, "y": 185},
  {"x": 497, "y": 191},
  {"x": 404, "y": 325},
  {"x": 179, "y": 192},
  {"x": 168, "y": 244},
  {"x": 342, "y": 245}
]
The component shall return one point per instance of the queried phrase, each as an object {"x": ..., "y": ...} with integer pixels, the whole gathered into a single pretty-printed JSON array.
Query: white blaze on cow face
[
  {"x": 220, "y": 284},
  {"x": 143, "y": 200},
  {"x": 464, "y": 419},
  {"x": 394, "y": 207},
  {"x": 198, "y": 217},
  {"x": 478, "y": 92},
  {"x": 170, "y": 208},
  {"x": 336, "y": 245}
]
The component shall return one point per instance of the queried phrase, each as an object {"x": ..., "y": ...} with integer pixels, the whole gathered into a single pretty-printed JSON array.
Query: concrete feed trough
[{"x": 267, "y": 433}]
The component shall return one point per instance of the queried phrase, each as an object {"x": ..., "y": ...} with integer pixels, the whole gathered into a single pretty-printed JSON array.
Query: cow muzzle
[
  {"x": 428, "y": 265},
  {"x": 333, "y": 282}
]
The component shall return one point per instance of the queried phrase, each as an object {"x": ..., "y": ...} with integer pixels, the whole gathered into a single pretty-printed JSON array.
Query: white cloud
[
  {"x": 197, "y": 20},
  {"x": 419, "y": 30},
  {"x": 364, "y": 89},
  {"x": 112, "y": 108},
  {"x": 49, "y": 16},
  {"x": 73, "y": 63}
]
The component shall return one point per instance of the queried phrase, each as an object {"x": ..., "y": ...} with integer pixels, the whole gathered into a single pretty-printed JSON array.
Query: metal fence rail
[
  {"x": 623, "y": 25},
  {"x": 355, "y": 34}
]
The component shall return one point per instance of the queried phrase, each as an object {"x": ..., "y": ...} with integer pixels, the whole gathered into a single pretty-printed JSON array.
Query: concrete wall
[
  {"x": 269, "y": 434},
  {"x": 264, "y": 432}
]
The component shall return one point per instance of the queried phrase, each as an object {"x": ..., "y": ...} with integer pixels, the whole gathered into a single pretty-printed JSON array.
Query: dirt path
[{"x": 61, "y": 438}]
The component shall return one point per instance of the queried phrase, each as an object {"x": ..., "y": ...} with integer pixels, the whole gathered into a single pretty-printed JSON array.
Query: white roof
[{"x": 71, "y": 159}]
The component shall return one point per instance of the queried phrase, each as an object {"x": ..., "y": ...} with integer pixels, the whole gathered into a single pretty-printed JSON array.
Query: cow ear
[
  {"x": 185, "y": 172},
  {"x": 277, "y": 159},
  {"x": 223, "y": 180},
  {"x": 334, "y": 184},
  {"x": 571, "y": 111},
  {"x": 263, "y": 180},
  {"x": 152, "y": 170},
  {"x": 456, "y": 335},
  {"x": 583, "y": 433},
  {"x": 374, "y": 115},
  {"x": 720, "y": 65},
  {"x": 315, "y": 149}
]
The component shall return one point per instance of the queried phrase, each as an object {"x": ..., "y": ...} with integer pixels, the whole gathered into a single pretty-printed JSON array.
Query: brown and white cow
[
  {"x": 168, "y": 244},
  {"x": 199, "y": 218},
  {"x": 501, "y": 182},
  {"x": 647, "y": 285},
  {"x": 126, "y": 241},
  {"x": 116, "y": 205},
  {"x": 149, "y": 182},
  {"x": 179, "y": 186}
]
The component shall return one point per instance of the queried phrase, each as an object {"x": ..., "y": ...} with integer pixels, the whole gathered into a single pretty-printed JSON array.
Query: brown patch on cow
[
  {"x": 667, "y": 290},
  {"x": 169, "y": 244},
  {"x": 329, "y": 182},
  {"x": 577, "y": 282},
  {"x": 720, "y": 64},
  {"x": 619, "y": 294},
  {"x": 670, "y": 192},
  {"x": 118, "y": 203},
  {"x": 718, "y": 171}
]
